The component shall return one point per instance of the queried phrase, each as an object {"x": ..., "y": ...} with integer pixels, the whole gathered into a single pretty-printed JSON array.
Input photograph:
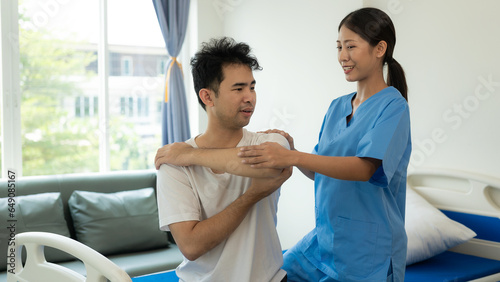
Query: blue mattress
[
  {"x": 168, "y": 276},
  {"x": 486, "y": 227},
  {"x": 450, "y": 266}
]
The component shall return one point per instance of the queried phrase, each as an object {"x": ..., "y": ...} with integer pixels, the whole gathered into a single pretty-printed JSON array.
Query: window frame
[{"x": 10, "y": 87}]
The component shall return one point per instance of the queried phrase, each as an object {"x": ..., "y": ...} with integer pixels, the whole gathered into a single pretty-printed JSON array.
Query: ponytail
[{"x": 396, "y": 77}]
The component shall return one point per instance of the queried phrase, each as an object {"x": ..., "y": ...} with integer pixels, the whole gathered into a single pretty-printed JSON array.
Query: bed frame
[{"x": 471, "y": 199}]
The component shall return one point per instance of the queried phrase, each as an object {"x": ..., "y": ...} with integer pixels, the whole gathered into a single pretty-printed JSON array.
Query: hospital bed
[{"x": 469, "y": 200}]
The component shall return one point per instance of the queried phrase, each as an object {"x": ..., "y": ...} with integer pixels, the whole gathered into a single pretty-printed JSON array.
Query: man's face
[{"x": 236, "y": 101}]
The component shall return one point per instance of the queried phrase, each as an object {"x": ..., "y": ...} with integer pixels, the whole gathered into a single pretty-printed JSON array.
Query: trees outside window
[{"x": 62, "y": 94}]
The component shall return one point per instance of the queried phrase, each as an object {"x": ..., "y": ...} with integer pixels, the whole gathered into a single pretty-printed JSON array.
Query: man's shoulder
[
  {"x": 257, "y": 138},
  {"x": 167, "y": 170}
]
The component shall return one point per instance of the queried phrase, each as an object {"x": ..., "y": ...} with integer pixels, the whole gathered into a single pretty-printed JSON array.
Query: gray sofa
[{"x": 115, "y": 213}]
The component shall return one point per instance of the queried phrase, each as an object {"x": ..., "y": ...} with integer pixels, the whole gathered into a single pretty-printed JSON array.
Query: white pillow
[{"x": 429, "y": 231}]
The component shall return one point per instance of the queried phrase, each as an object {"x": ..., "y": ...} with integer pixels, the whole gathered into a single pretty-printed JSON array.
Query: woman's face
[{"x": 358, "y": 59}]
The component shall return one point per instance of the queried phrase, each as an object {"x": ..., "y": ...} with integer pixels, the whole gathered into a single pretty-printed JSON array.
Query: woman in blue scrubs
[{"x": 358, "y": 166}]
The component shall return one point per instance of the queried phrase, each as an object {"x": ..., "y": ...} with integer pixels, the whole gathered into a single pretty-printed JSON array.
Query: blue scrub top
[{"x": 359, "y": 234}]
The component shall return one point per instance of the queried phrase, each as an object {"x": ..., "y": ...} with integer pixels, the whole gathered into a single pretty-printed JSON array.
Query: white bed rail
[{"x": 458, "y": 191}]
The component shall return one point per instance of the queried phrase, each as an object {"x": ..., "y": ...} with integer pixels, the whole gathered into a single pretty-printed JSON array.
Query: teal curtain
[{"x": 173, "y": 18}]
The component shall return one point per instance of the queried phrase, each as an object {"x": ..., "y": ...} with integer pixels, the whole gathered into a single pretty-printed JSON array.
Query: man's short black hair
[{"x": 207, "y": 63}]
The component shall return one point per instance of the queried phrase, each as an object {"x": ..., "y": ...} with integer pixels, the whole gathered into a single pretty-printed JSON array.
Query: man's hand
[
  {"x": 263, "y": 187},
  {"x": 174, "y": 154}
]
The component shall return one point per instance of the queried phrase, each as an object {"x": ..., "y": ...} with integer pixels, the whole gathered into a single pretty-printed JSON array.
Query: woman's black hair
[
  {"x": 373, "y": 25},
  {"x": 207, "y": 63}
]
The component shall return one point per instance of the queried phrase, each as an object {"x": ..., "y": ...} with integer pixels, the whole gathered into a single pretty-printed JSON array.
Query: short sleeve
[
  {"x": 316, "y": 147},
  {"x": 337, "y": 103},
  {"x": 177, "y": 200},
  {"x": 273, "y": 137},
  {"x": 387, "y": 141}
]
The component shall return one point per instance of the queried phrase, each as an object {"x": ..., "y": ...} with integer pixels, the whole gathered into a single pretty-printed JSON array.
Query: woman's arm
[
  {"x": 307, "y": 172},
  {"x": 345, "y": 168},
  {"x": 267, "y": 155}
]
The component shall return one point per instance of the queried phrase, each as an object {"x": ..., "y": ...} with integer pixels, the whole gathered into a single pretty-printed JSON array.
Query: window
[
  {"x": 136, "y": 107},
  {"x": 61, "y": 61},
  {"x": 143, "y": 106},
  {"x": 54, "y": 51},
  {"x": 139, "y": 106},
  {"x": 162, "y": 65},
  {"x": 123, "y": 106},
  {"x": 130, "y": 106},
  {"x": 127, "y": 67},
  {"x": 86, "y": 106},
  {"x": 78, "y": 106}
]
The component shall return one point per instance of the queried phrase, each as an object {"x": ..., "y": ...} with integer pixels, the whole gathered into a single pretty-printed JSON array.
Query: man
[{"x": 222, "y": 213}]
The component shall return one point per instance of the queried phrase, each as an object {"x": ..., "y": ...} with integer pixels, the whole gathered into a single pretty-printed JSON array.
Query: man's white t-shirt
[{"x": 253, "y": 251}]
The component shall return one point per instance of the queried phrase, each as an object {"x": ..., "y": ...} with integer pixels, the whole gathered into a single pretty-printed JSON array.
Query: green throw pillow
[
  {"x": 38, "y": 212},
  {"x": 118, "y": 222}
]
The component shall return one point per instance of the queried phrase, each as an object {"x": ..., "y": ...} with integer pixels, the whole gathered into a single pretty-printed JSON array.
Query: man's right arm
[
  {"x": 195, "y": 238},
  {"x": 224, "y": 160}
]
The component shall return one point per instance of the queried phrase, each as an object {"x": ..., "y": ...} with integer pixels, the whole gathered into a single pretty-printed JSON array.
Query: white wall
[
  {"x": 448, "y": 50},
  {"x": 296, "y": 44},
  {"x": 300, "y": 77}
]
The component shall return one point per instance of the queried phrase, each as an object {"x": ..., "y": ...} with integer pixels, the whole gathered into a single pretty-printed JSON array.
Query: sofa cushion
[
  {"x": 38, "y": 212},
  {"x": 120, "y": 222}
]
